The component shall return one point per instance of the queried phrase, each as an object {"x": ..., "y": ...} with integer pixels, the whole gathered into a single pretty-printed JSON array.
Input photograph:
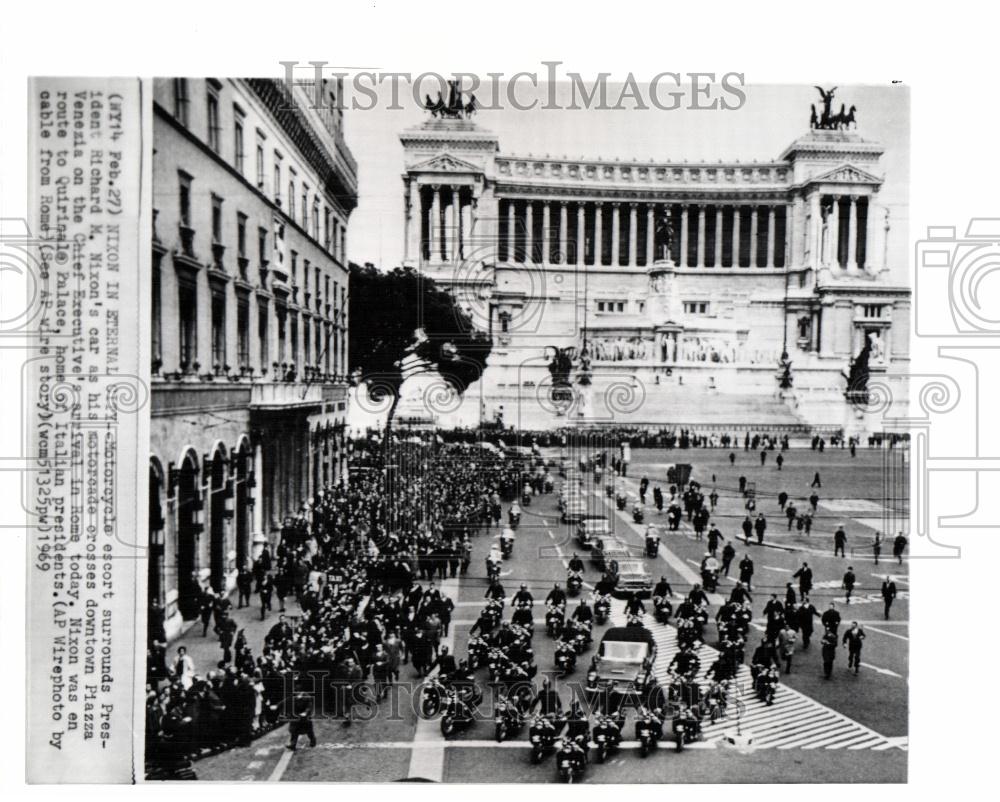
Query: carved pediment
[
  {"x": 445, "y": 163},
  {"x": 847, "y": 174}
]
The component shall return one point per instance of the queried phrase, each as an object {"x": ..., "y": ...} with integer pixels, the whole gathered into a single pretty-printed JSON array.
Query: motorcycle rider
[
  {"x": 634, "y": 606},
  {"x": 661, "y": 590},
  {"x": 578, "y": 728},
  {"x": 547, "y": 700},
  {"x": 685, "y": 663},
  {"x": 495, "y": 592},
  {"x": 523, "y": 596},
  {"x": 583, "y": 613},
  {"x": 556, "y": 597},
  {"x": 697, "y": 596},
  {"x": 575, "y": 564}
]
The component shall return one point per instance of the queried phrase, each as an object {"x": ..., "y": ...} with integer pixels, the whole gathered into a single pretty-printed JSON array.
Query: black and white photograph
[{"x": 499, "y": 445}]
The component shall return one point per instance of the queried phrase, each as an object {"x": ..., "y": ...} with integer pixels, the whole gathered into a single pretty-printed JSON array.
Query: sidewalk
[{"x": 206, "y": 652}]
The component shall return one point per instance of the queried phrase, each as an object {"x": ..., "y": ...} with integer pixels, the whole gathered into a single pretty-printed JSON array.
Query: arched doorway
[
  {"x": 189, "y": 528},
  {"x": 217, "y": 520},
  {"x": 242, "y": 513}
]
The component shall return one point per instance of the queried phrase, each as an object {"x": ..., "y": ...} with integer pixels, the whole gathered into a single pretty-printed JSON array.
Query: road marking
[
  {"x": 885, "y": 671},
  {"x": 890, "y": 634},
  {"x": 427, "y": 755},
  {"x": 793, "y": 721},
  {"x": 279, "y": 770},
  {"x": 775, "y": 568},
  {"x": 472, "y": 744}
]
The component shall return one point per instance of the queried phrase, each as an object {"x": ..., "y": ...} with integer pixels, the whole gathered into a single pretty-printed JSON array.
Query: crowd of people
[{"x": 361, "y": 563}]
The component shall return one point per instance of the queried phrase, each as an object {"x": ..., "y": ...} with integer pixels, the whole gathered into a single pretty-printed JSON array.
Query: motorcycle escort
[
  {"x": 602, "y": 609},
  {"x": 478, "y": 652},
  {"x": 570, "y": 761},
  {"x": 457, "y": 715},
  {"x": 767, "y": 685},
  {"x": 432, "y": 696},
  {"x": 662, "y": 609},
  {"x": 578, "y": 633},
  {"x": 687, "y": 728},
  {"x": 648, "y": 729},
  {"x": 514, "y": 516},
  {"x": 542, "y": 736},
  {"x": 555, "y": 618},
  {"x": 621, "y": 500},
  {"x": 574, "y": 583},
  {"x": 508, "y": 718},
  {"x": 638, "y": 513},
  {"x": 565, "y": 658},
  {"x": 507, "y": 543},
  {"x": 607, "y": 736},
  {"x": 652, "y": 542}
]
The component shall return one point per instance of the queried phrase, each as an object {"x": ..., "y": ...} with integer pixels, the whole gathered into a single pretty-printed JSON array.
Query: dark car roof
[{"x": 634, "y": 634}]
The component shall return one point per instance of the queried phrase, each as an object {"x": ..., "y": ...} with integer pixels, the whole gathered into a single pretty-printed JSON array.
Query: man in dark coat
[
  {"x": 746, "y": 571},
  {"x": 804, "y": 620},
  {"x": 888, "y": 594}
]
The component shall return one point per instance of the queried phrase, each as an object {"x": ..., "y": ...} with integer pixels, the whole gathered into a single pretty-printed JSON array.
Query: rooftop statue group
[
  {"x": 455, "y": 108},
  {"x": 828, "y": 121}
]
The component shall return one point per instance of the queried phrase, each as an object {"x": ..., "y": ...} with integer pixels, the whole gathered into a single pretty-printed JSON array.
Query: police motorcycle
[
  {"x": 638, "y": 512},
  {"x": 716, "y": 701},
  {"x": 565, "y": 658},
  {"x": 579, "y": 634},
  {"x": 542, "y": 734},
  {"x": 508, "y": 717},
  {"x": 602, "y": 608},
  {"x": 687, "y": 728},
  {"x": 457, "y": 714},
  {"x": 506, "y": 543},
  {"x": 592, "y": 685},
  {"x": 710, "y": 573},
  {"x": 652, "y": 541},
  {"x": 493, "y": 563},
  {"x": 432, "y": 696},
  {"x": 555, "y": 619},
  {"x": 490, "y": 616},
  {"x": 571, "y": 761},
  {"x": 514, "y": 516},
  {"x": 526, "y": 495},
  {"x": 478, "y": 652},
  {"x": 662, "y": 609},
  {"x": 523, "y": 619},
  {"x": 621, "y": 500},
  {"x": 574, "y": 583},
  {"x": 607, "y": 735},
  {"x": 648, "y": 729},
  {"x": 766, "y": 684}
]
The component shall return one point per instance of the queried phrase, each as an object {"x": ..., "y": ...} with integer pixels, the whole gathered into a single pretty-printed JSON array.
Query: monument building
[{"x": 696, "y": 293}]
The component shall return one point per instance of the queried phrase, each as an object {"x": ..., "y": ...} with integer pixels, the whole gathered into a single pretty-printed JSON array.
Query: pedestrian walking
[
  {"x": 831, "y": 619},
  {"x": 839, "y": 541},
  {"x": 854, "y": 638},
  {"x": 816, "y": 482},
  {"x": 829, "y": 653},
  {"x": 848, "y": 583},
  {"x": 898, "y": 547},
  {"x": 728, "y": 555},
  {"x": 264, "y": 590},
  {"x": 244, "y": 586},
  {"x": 786, "y": 646},
  {"x": 877, "y": 546},
  {"x": 779, "y": 461},
  {"x": 888, "y": 595},
  {"x": 301, "y": 723},
  {"x": 805, "y": 577},
  {"x": 804, "y": 619},
  {"x": 746, "y": 571}
]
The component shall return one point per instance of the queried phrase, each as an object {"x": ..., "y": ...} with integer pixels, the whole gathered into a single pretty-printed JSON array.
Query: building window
[
  {"x": 305, "y": 206},
  {"x": 157, "y": 334},
  {"x": 642, "y": 307},
  {"x": 291, "y": 196},
  {"x": 182, "y": 101},
  {"x": 216, "y": 220},
  {"x": 241, "y": 244},
  {"x": 696, "y": 307},
  {"x": 306, "y": 342},
  {"x": 219, "y": 333},
  {"x": 277, "y": 178},
  {"x": 319, "y": 339},
  {"x": 260, "y": 159},
  {"x": 238, "y": 154},
  {"x": 316, "y": 289},
  {"x": 214, "y": 129},
  {"x": 243, "y": 334},
  {"x": 281, "y": 313},
  {"x": 184, "y": 196},
  {"x": 262, "y": 344},
  {"x": 873, "y": 310},
  {"x": 326, "y": 231},
  {"x": 611, "y": 307},
  {"x": 295, "y": 268},
  {"x": 315, "y": 220},
  {"x": 294, "y": 335},
  {"x": 187, "y": 304}
]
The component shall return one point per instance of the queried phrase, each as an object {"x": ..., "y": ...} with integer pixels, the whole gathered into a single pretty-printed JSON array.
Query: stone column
[
  {"x": 633, "y": 233},
  {"x": 511, "y": 228},
  {"x": 871, "y": 237},
  {"x": 563, "y": 229},
  {"x": 598, "y": 232},
  {"x": 769, "y": 261},
  {"x": 407, "y": 219},
  {"x": 529, "y": 234},
  {"x": 718, "y": 236},
  {"x": 448, "y": 238},
  {"x": 456, "y": 216},
  {"x": 683, "y": 261},
  {"x": 815, "y": 229},
  {"x": 257, "y": 525},
  {"x": 835, "y": 238},
  {"x": 852, "y": 234},
  {"x": 650, "y": 234},
  {"x": 581, "y": 231},
  {"x": 546, "y": 234},
  {"x": 736, "y": 234},
  {"x": 616, "y": 243},
  {"x": 700, "y": 260},
  {"x": 434, "y": 225},
  {"x": 754, "y": 250}
]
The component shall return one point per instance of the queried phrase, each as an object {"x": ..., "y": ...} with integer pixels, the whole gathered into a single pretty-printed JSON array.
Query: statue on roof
[
  {"x": 456, "y": 107},
  {"x": 828, "y": 120}
]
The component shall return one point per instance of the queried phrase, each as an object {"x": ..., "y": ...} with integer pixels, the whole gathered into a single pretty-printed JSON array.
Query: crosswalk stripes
[{"x": 793, "y": 721}]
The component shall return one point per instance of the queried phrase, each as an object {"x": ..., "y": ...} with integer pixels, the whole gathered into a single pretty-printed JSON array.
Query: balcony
[{"x": 275, "y": 396}]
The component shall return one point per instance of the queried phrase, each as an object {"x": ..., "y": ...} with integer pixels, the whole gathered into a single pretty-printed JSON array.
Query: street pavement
[{"x": 846, "y": 729}]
